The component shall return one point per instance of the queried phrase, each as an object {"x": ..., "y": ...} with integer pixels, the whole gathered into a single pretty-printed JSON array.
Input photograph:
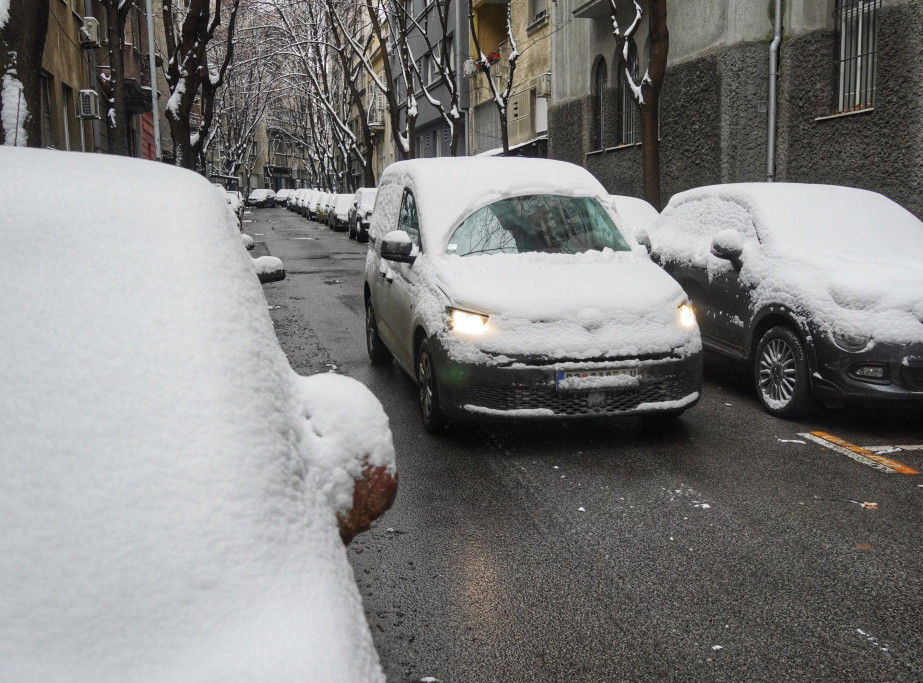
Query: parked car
[
  {"x": 330, "y": 208},
  {"x": 316, "y": 206},
  {"x": 236, "y": 200},
  {"x": 283, "y": 196},
  {"x": 638, "y": 214},
  {"x": 318, "y": 211},
  {"x": 262, "y": 198},
  {"x": 339, "y": 218},
  {"x": 170, "y": 489},
  {"x": 505, "y": 289},
  {"x": 360, "y": 213},
  {"x": 818, "y": 288}
]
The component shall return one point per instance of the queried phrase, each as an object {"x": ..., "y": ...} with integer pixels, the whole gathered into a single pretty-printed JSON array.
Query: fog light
[{"x": 871, "y": 372}]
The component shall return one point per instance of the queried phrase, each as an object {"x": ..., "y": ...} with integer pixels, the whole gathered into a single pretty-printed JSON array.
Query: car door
[
  {"x": 721, "y": 302},
  {"x": 399, "y": 288}
]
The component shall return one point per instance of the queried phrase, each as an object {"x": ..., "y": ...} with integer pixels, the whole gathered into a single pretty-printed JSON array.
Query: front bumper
[
  {"x": 836, "y": 378},
  {"x": 529, "y": 391}
]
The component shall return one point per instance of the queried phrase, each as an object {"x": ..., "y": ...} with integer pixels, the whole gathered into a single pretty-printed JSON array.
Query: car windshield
[{"x": 537, "y": 223}]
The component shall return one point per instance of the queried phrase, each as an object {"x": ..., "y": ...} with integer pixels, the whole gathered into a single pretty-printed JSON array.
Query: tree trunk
[
  {"x": 650, "y": 111},
  {"x": 22, "y": 43},
  {"x": 118, "y": 119}
]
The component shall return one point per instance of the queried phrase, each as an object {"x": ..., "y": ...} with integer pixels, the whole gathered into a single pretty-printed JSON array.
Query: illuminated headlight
[
  {"x": 850, "y": 342},
  {"x": 465, "y": 322},
  {"x": 686, "y": 316}
]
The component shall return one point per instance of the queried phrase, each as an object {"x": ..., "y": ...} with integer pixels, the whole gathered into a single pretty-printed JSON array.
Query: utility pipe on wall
[{"x": 773, "y": 92}]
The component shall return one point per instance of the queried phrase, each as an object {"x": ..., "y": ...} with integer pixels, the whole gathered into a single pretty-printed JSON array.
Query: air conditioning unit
[
  {"x": 543, "y": 86},
  {"x": 88, "y": 105},
  {"x": 89, "y": 33},
  {"x": 470, "y": 68}
]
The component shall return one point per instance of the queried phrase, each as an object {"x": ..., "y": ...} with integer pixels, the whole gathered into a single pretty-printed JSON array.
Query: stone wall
[{"x": 714, "y": 120}]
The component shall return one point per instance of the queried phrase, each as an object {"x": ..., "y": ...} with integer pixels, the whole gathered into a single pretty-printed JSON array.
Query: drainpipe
[
  {"x": 152, "y": 63},
  {"x": 773, "y": 92}
]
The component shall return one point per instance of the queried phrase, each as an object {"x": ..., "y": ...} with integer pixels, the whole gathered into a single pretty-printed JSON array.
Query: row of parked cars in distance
[
  {"x": 511, "y": 289},
  {"x": 349, "y": 212}
]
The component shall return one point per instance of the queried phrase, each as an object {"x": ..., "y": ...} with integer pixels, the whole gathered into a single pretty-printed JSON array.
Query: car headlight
[
  {"x": 686, "y": 316},
  {"x": 851, "y": 342},
  {"x": 465, "y": 322}
]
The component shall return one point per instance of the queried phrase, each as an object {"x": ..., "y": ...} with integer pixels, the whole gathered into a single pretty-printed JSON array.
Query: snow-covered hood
[
  {"x": 877, "y": 297},
  {"x": 573, "y": 306}
]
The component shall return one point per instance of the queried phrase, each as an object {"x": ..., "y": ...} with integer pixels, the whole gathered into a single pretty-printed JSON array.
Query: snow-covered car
[
  {"x": 638, "y": 215},
  {"x": 237, "y": 202},
  {"x": 505, "y": 289},
  {"x": 262, "y": 198},
  {"x": 170, "y": 489},
  {"x": 339, "y": 217},
  {"x": 818, "y": 288},
  {"x": 283, "y": 196},
  {"x": 360, "y": 213},
  {"x": 315, "y": 206}
]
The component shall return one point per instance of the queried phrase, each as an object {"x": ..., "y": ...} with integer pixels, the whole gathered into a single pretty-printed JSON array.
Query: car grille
[
  {"x": 577, "y": 403},
  {"x": 913, "y": 377}
]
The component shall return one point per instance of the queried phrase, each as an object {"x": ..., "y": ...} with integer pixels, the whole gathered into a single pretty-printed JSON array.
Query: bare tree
[
  {"x": 192, "y": 77},
  {"x": 390, "y": 26},
  {"x": 646, "y": 94},
  {"x": 113, "y": 84},
  {"x": 500, "y": 97},
  {"x": 22, "y": 42}
]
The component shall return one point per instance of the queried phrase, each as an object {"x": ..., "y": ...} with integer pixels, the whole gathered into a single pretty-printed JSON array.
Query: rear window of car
[{"x": 537, "y": 223}]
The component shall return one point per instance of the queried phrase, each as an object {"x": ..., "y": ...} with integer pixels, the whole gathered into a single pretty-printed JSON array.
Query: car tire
[
  {"x": 352, "y": 233},
  {"x": 780, "y": 370},
  {"x": 434, "y": 421},
  {"x": 378, "y": 352}
]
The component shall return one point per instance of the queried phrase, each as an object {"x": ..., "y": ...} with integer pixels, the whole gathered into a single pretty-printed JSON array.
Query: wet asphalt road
[{"x": 724, "y": 547}]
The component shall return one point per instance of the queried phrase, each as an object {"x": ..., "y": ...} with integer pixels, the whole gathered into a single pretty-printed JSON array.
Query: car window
[
  {"x": 537, "y": 223},
  {"x": 408, "y": 220},
  {"x": 705, "y": 217}
]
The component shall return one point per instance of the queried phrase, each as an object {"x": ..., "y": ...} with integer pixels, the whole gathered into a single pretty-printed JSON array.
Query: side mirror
[
  {"x": 728, "y": 245},
  {"x": 396, "y": 246},
  {"x": 643, "y": 238}
]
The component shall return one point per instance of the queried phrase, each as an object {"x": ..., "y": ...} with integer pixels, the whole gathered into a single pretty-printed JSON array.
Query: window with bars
[
  {"x": 857, "y": 23},
  {"x": 627, "y": 118}
]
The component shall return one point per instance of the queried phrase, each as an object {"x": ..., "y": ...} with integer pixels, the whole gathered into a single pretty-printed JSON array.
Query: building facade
[
  {"x": 849, "y": 94},
  {"x": 527, "y": 107}
]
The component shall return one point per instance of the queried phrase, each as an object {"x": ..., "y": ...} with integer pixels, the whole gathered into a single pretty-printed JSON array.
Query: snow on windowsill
[
  {"x": 843, "y": 114},
  {"x": 626, "y": 145}
]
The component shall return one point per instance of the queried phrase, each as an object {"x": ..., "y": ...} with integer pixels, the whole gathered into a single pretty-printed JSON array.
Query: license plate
[{"x": 574, "y": 376}]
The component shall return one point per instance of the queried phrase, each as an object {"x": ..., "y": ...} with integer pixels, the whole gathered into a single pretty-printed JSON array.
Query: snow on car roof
[
  {"x": 156, "y": 520},
  {"x": 814, "y": 216},
  {"x": 449, "y": 189}
]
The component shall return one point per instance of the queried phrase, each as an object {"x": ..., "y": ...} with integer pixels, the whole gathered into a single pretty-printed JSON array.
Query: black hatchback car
[{"x": 819, "y": 288}]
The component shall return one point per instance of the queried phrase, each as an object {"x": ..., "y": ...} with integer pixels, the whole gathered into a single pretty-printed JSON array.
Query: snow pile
[
  {"x": 158, "y": 513},
  {"x": 264, "y": 265},
  {"x": 247, "y": 241},
  {"x": 849, "y": 259}
]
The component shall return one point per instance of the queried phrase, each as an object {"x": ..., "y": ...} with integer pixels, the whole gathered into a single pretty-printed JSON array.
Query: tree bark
[
  {"x": 650, "y": 110},
  {"x": 22, "y": 43}
]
